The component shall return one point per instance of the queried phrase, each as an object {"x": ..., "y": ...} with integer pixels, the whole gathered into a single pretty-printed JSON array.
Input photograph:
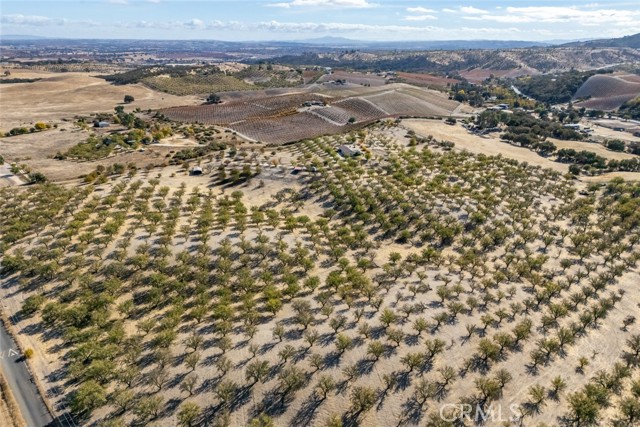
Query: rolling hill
[
  {"x": 608, "y": 91},
  {"x": 632, "y": 41}
]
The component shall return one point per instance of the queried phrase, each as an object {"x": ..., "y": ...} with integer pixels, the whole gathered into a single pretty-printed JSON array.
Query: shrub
[
  {"x": 37, "y": 178},
  {"x": 615, "y": 145}
]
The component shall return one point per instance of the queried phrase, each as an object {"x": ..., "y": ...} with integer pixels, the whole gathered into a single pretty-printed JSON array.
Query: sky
[{"x": 264, "y": 20}]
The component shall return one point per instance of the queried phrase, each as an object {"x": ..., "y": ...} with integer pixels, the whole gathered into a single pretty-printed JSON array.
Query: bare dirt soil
[{"x": 489, "y": 145}]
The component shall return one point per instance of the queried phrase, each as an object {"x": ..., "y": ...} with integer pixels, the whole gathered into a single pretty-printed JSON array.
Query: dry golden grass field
[{"x": 64, "y": 95}]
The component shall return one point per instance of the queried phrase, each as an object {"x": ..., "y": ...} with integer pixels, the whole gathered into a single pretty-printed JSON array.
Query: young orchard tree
[
  {"x": 311, "y": 337},
  {"x": 257, "y": 371},
  {"x": 189, "y": 383},
  {"x": 189, "y": 414},
  {"x": 362, "y": 400},
  {"x": 325, "y": 385},
  {"x": 558, "y": 384},
  {"x": 291, "y": 379},
  {"x": 343, "y": 343}
]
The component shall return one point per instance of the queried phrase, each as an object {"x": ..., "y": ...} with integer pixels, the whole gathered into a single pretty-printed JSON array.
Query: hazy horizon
[{"x": 293, "y": 20}]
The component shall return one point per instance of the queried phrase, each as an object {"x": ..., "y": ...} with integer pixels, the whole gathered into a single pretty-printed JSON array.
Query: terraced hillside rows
[
  {"x": 283, "y": 118},
  {"x": 238, "y": 110},
  {"x": 333, "y": 114},
  {"x": 367, "y": 79},
  {"x": 289, "y": 128},
  {"x": 428, "y": 80},
  {"x": 401, "y": 103},
  {"x": 401, "y": 290}
]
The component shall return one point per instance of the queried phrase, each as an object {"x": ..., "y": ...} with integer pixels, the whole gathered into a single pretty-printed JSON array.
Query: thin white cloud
[
  {"x": 278, "y": 27},
  {"x": 419, "y": 9},
  {"x": 419, "y": 14},
  {"x": 196, "y": 24},
  {"x": 360, "y": 4},
  {"x": 191, "y": 24},
  {"x": 419, "y": 18},
  {"x": 303, "y": 27},
  {"x": 19, "y": 20},
  {"x": 472, "y": 10},
  {"x": 447, "y": 10},
  {"x": 118, "y": 1},
  {"x": 560, "y": 14}
]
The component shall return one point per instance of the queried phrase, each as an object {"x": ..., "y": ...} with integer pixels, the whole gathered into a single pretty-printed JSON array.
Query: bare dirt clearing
[{"x": 488, "y": 145}]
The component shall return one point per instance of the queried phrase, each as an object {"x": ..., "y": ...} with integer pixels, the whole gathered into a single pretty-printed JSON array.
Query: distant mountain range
[
  {"x": 329, "y": 42},
  {"x": 632, "y": 41},
  {"x": 20, "y": 37},
  {"x": 340, "y": 42},
  {"x": 345, "y": 43}
]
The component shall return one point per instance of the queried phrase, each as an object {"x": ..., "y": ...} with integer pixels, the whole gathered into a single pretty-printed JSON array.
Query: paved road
[{"x": 33, "y": 409}]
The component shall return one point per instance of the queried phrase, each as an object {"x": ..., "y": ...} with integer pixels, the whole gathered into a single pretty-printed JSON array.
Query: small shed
[
  {"x": 196, "y": 170},
  {"x": 101, "y": 124}
]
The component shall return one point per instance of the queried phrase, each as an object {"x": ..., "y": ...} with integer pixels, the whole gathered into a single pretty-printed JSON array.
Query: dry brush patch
[{"x": 430, "y": 278}]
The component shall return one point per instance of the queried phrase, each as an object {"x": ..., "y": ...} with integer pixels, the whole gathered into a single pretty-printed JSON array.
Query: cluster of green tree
[
  {"x": 467, "y": 92},
  {"x": 102, "y": 173},
  {"x": 521, "y": 123},
  {"x": 96, "y": 148},
  {"x": 583, "y": 157},
  {"x": 555, "y": 88},
  {"x": 37, "y": 178},
  {"x": 477, "y": 95},
  {"x": 129, "y": 120},
  {"x": 196, "y": 152},
  {"x": 589, "y": 162},
  {"x": 138, "y": 74},
  {"x": 529, "y": 140},
  {"x": 38, "y": 127},
  {"x": 213, "y": 98},
  {"x": 18, "y": 80},
  {"x": 622, "y": 146},
  {"x": 630, "y": 109},
  {"x": 237, "y": 176}
]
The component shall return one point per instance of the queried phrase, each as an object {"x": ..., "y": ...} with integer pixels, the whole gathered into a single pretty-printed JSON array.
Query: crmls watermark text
[{"x": 480, "y": 414}]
